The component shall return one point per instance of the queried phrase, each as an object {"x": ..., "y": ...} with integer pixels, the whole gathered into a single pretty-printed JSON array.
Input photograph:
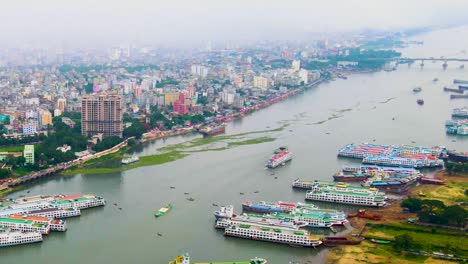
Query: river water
[{"x": 365, "y": 105}]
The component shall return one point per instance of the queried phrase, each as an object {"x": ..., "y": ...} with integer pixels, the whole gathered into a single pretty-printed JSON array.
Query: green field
[
  {"x": 12, "y": 149},
  {"x": 426, "y": 238}
]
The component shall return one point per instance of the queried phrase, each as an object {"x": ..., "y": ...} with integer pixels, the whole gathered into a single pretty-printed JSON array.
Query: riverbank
[
  {"x": 394, "y": 223},
  {"x": 179, "y": 151}
]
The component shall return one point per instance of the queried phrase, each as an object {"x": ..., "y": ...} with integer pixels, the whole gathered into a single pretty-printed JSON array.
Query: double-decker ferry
[
  {"x": 310, "y": 218},
  {"x": 278, "y": 207},
  {"x": 408, "y": 160},
  {"x": 55, "y": 224},
  {"x": 334, "y": 186},
  {"x": 346, "y": 197},
  {"x": 25, "y": 225},
  {"x": 9, "y": 237},
  {"x": 51, "y": 212},
  {"x": 78, "y": 201},
  {"x": 261, "y": 220},
  {"x": 185, "y": 259},
  {"x": 280, "y": 157},
  {"x": 267, "y": 233}
]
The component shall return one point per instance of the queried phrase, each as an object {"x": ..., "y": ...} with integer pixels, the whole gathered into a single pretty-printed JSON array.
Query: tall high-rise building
[
  {"x": 102, "y": 113},
  {"x": 61, "y": 104}
]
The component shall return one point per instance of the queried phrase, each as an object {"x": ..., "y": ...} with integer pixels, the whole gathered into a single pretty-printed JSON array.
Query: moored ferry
[
  {"x": 346, "y": 197},
  {"x": 363, "y": 150},
  {"x": 9, "y": 237},
  {"x": 261, "y": 220},
  {"x": 278, "y": 207},
  {"x": 287, "y": 236},
  {"x": 25, "y": 225},
  {"x": 392, "y": 183},
  {"x": 280, "y": 157},
  {"x": 410, "y": 160},
  {"x": 55, "y": 224},
  {"x": 51, "y": 212},
  {"x": 78, "y": 201},
  {"x": 185, "y": 259},
  {"x": 311, "y": 219},
  {"x": 334, "y": 186}
]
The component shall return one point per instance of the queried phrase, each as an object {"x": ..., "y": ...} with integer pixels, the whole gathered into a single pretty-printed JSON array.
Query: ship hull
[
  {"x": 258, "y": 209},
  {"x": 289, "y": 243},
  {"x": 457, "y": 157},
  {"x": 214, "y": 132},
  {"x": 349, "y": 179}
]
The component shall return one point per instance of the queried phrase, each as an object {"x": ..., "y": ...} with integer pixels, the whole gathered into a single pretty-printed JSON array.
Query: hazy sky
[{"x": 108, "y": 22}]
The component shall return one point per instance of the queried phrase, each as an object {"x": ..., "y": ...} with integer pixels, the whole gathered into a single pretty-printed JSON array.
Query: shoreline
[{"x": 367, "y": 252}]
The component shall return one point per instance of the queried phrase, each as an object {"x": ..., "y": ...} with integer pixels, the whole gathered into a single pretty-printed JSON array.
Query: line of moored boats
[{"x": 26, "y": 220}]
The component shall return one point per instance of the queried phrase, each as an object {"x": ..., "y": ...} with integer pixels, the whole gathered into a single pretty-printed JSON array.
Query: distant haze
[{"x": 100, "y": 23}]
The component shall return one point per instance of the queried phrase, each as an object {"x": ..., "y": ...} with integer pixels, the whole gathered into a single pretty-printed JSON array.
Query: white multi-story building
[
  {"x": 296, "y": 65},
  {"x": 304, "y": 76},
  {"x": 199, "y": 70},
  {"x": 260, "y": 82}
]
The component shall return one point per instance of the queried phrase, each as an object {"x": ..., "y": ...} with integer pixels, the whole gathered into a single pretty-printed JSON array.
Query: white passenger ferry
[
  {"x": 55, "y": 224},
  {"x": 346, "y": 197},
  {"x": 287, "y": 236},
  {"x": 261, "y": 220},
  {"x": 78, "y": 201},
  {"x": 51, "y": 212},
  {"x": 25, "y": 225},
  {"x": 12, "y": 238}
]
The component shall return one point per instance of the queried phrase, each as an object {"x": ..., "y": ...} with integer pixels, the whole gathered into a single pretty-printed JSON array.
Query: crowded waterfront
[{"x": 314, "y": 133}]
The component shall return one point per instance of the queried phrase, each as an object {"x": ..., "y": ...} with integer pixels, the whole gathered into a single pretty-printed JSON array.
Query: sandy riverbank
[{"x": 367, "y": 252}]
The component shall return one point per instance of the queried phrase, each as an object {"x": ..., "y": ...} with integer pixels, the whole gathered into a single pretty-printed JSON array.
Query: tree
[
  {"x": 107, "y": 143},
  {"x": 4, "y": 173},
  {"x": 455, "y": 215},
  {"x": 403, "y": 242},
  {"x": 135, "y": 130},
  {"x": 203, "y": 100},
  {"x": 413, "y": 204}
]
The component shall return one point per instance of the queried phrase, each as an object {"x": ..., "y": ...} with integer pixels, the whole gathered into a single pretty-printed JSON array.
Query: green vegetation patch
[
  {"x": 144, "y": 161},
  {"x": 12, "y": 149},
  {"x": 425, "y": 238}
]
